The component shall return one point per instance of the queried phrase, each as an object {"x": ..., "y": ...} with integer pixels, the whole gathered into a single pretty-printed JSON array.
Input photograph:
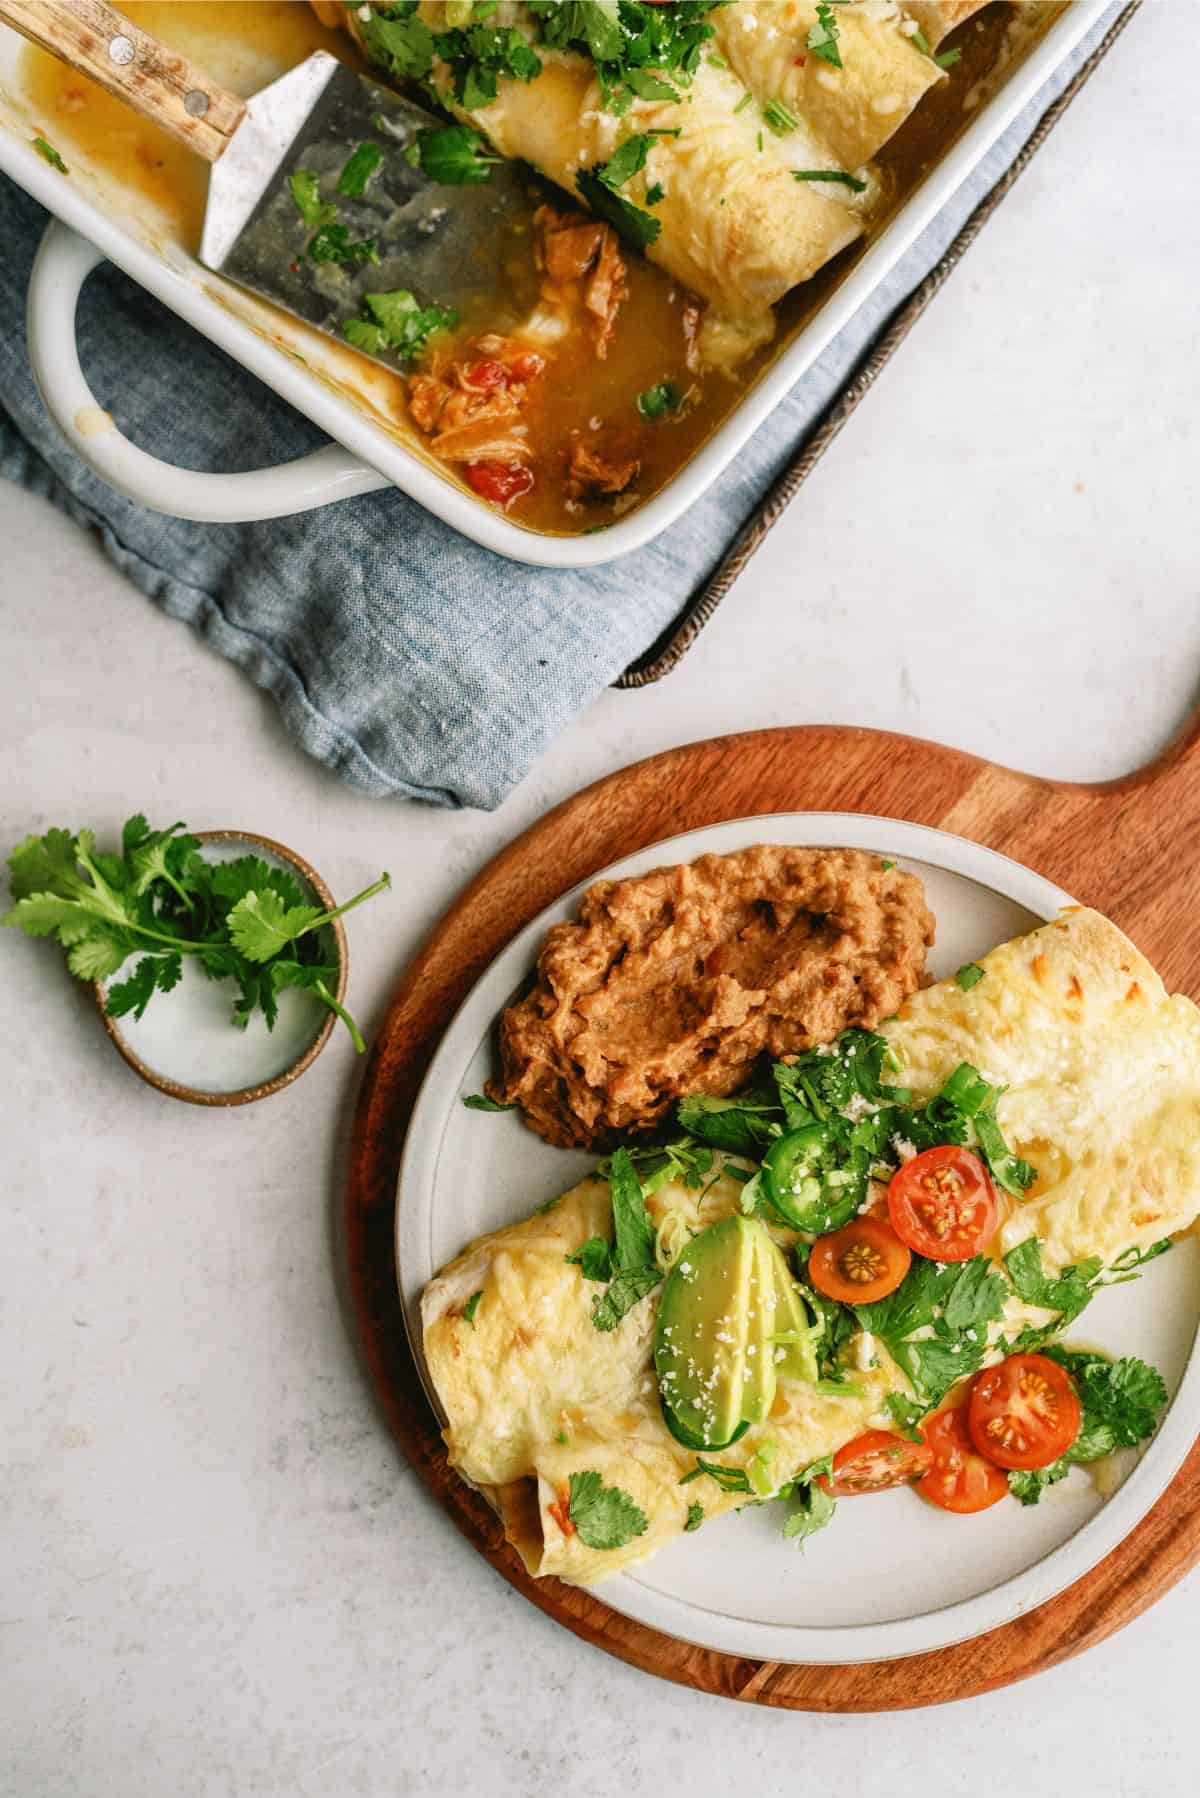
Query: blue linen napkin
[{"x": 409, "y": 661}]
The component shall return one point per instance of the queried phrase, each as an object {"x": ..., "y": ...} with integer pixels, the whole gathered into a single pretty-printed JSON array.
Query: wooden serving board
[{"x": 1126, "y": 847}]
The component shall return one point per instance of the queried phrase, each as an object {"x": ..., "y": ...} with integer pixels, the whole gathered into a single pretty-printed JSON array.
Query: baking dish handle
[{"x": 62, "y": 265}]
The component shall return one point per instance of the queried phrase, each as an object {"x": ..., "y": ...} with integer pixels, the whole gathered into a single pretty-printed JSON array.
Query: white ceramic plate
[{"x": 891, "y": 1576}]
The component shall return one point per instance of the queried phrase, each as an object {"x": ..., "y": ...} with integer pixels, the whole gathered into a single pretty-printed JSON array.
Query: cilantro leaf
[
  {"x": 906, "y": 1414},
  {"x": 333, "y": 243},
  {"x": 626, "y": 1290},
  {"x": 481, "y": 1102},
  {"x": 260, "y": 925},
  {"x": 815, "y": 1501},
  {"x": 604, "y": 1516},
  {"x": 356, "y": 175},
  {"x": 395, "y": 37},
  {"x": 471, "y": 1307},
  {"x": 398, "y": 323},
  {"x": 305, "y": 188},
  {"x": 823, "y": 37},
  {"x": 743, "y": 1125},
  {"x": 638, "y": 228},
  {"x": 453, "y": 155},
  {"x": 957, "y": 1301},
  {"x": 695, "y": 1517},
  {"x": 969, "y": 975},
  {"x": 153, "y": 973},
  {"x": 594, "y": 1259},
  {"x": 1067, "y": 1294},
  {"x": 632, "y": 1224}
]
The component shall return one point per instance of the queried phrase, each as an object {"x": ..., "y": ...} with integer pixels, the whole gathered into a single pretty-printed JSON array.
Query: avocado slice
[
  {"x": 712, "y": 1348},
  {"x": 799, "y": 1359}
]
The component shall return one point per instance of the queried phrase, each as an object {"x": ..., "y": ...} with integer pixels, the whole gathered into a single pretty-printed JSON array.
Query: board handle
[{"x": 101, "y": 43}]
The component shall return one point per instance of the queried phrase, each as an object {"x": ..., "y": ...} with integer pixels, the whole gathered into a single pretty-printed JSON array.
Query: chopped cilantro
[
  {"x": 481, "y": 1102},
  {"x": 969, "y": 975},
  {"x": 604, "y": 1516},
  {"x": 398, "y": 324},
  {"x": 333, "y": 243},
  {"x": 594, "y": 1259},
  {"x": 627, "y": 161},
  {"x": 471, "y": 1307},
  {"x": 855, "y": 186},
  {"x": 397, "y": 39},
  {"x": 823, "y": 37},
  {"x": 655, "y": 193},
  {"x": 638, "y": 48},
  {"x": 695, "y": 1517},
  {"x": 658, "y": 401},
  {"x": 635, "y": 1272},
  {"x": 454, "y": 155},
  {"x": 357, "y": 173},
  {"x": 49, "y": 154},
  {"x": 906, "y": 1414},
  {"x": 305, "y": 186},
  {"x": 626, "y": 1290},
  {"x": 956, "y": 1302},
  {"x": 743, "y": 1125},
  {"x": 1067, "y": 1294},
  {"x": 815, "y": 1501}
]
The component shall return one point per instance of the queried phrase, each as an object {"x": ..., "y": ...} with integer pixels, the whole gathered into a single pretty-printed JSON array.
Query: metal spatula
[{"x": 346, "y": 236}]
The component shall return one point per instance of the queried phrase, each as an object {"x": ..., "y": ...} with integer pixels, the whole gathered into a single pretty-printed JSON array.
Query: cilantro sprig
[{"x": 160, "y": 900}]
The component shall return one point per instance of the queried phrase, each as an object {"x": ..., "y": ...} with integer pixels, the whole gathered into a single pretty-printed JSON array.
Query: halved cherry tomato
[
  {"x": 500, "y": 482},
  {"x": 1023, "y": 1413},
  {"x": 875, "y": 1461},
  {"x": 959, "y": 1480},
  {"x": 864, "y": 1260},
  {"x": 942, "y": 1204}
]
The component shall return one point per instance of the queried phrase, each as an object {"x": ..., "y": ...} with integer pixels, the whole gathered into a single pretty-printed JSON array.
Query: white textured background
[{"x": 216, "y": 1576}]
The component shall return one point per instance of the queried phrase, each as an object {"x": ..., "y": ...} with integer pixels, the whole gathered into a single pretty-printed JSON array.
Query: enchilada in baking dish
[{"x": 710, "y": 173}]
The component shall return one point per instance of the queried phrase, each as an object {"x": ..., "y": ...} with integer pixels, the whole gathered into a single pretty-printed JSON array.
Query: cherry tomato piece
[
  {"x": 499, "y": 482},
  {"x": 1024, "y": 1413},
  {"x": 959, "y": 1480},
  {"x": 876, "y": 1461},
  {"x": 942, "y": 1204},
  {"x": 862, "y": 1261}
]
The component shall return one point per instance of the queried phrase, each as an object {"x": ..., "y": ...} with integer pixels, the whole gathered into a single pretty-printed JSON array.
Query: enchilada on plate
[{"x": 858, "y": 1279}]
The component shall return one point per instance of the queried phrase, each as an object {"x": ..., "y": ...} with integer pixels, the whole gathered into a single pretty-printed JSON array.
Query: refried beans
[{"x": 676, "y": 981}]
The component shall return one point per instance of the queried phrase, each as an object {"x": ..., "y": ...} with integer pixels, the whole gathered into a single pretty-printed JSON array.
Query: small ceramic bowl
[{"x": 185, "y": 1045}]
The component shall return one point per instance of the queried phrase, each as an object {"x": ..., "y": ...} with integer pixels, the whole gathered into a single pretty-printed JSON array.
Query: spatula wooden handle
[{"x": 114, "y": 52}]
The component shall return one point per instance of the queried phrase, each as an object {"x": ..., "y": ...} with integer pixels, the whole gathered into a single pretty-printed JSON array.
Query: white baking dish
[{"x": 98, "y": 223}]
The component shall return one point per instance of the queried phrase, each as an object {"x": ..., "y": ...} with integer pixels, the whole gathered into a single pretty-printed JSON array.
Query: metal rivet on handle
[
  {"x": 196, "y": 103},
  {"x": 121, "y": 50}
]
